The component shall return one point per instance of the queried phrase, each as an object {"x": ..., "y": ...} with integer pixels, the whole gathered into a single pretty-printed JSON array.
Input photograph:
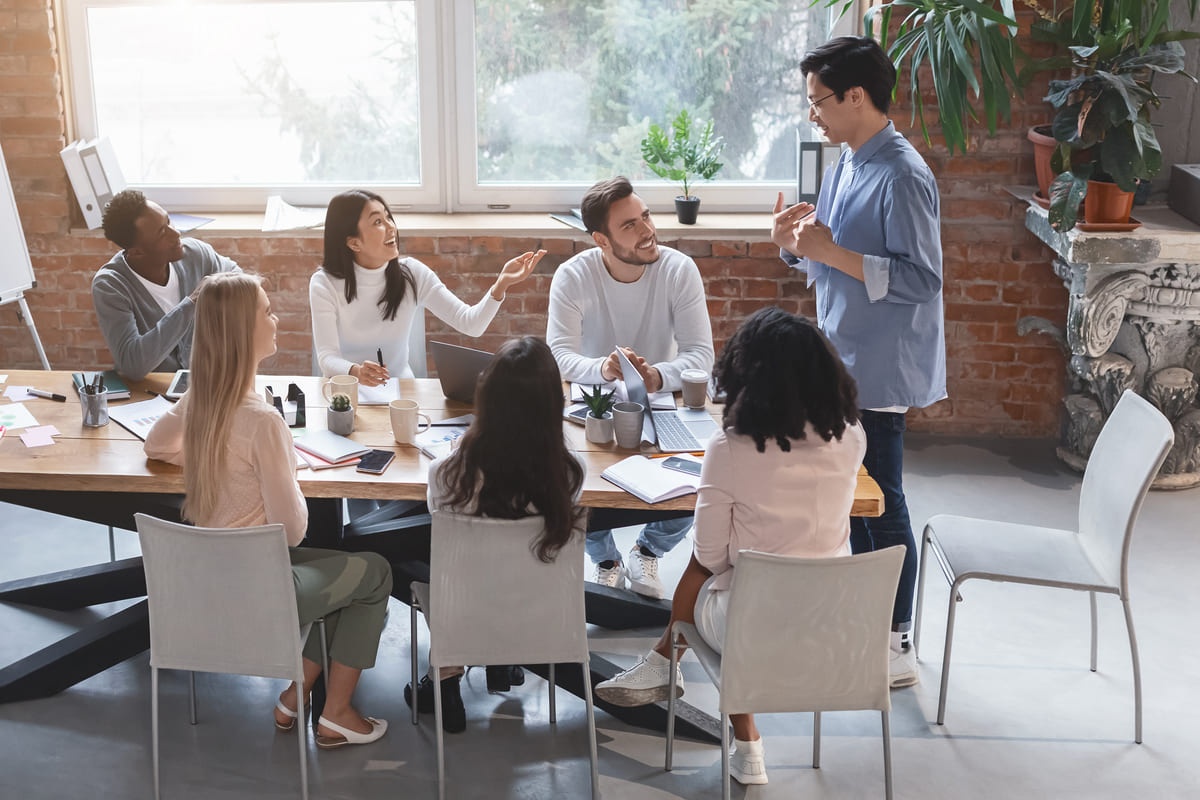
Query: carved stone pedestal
[{"x": 1133, "y": 322}]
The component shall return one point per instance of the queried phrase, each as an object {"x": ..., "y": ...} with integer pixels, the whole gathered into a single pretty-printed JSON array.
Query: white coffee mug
[
  {"x": 342, "y": 384},
  {"x": 406, "y": 420},
  {"x": 695, "y": 387}
]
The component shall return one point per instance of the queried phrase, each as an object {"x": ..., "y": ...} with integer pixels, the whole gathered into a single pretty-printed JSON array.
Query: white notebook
[
  {"x": 648, "y": 480},
  {"x": 330, "y": 446}
]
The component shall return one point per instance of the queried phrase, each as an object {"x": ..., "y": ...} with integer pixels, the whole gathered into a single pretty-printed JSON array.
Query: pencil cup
[
  {"x": 406, "y": 420},
  {"x": 695, "y": 387},
  {"x": 627, "y": 421},
  {"x": 342, "y": 384},
  {"x": 94, "y": 403}
]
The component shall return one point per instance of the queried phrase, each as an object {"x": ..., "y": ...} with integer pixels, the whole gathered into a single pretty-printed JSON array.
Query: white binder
[{"x": 95, "y": 176}]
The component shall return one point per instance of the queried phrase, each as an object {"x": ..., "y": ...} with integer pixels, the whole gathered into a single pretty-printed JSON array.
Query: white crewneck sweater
[{"x": 345, "y": 334}]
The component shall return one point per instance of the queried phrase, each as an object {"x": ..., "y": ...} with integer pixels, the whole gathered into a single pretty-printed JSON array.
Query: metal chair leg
[
  {"x": 916, "y": 637},
  {"x": 412, "y": 655},
  {"x": 553, "y": 697},
  {"x": 1137, "y": 673},
  {"x": 192, "y": 697},
  {"x": 887, "y": 756},
  {"x": 112, "y": 545},
  {"x": 441, "y": 744},
  {"x": 725, "y": 787},
  {"x": 591, "y": 719},
  {"x": 816, "y": 740},
  {"x": 154, "y": 726},
  {"x": 671, "y": 701},
  {"x": 302, "y": 736},
  {"x": 1092, "y": 603},
  {"x": 941, "y": 715}
]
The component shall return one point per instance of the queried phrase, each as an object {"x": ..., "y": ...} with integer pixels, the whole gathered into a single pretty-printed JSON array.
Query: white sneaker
[
  {"x": 746, "y": 763},
  {"x": 643, "y": 574},
  {"x": 902, "y": 668},
  {"x": 613, "y": 578},
  {"x": 647, "y": 681}
]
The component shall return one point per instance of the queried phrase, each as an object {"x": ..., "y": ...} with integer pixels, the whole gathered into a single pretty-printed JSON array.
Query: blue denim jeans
[
  {"x": 885, "y": 462},
  {"x": 657, "y": 537}
]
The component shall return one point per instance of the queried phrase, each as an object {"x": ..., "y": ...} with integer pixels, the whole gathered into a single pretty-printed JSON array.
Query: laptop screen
[{"x": 635, "y": 388}]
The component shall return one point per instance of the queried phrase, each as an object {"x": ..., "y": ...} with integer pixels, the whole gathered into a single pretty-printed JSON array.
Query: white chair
[
  {"x": 221, "y": 600},
  {"x": 1094, "y": 558},
  {"x": 802, "y": 634},
  {"x": 492, "y": 601}
]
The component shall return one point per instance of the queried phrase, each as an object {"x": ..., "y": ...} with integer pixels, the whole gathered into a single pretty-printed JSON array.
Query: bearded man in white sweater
[{"x": 629, "y": 292}]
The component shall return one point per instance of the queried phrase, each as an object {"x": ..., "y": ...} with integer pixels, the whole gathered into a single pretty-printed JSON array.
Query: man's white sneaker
[
  {"x": 647, "y": 681},
  {"x": 643, "y": 574},
  {"x": 613, "y": 577},
  {"x": 902, "y": 668},
  {"x": 746, "y": 763}
]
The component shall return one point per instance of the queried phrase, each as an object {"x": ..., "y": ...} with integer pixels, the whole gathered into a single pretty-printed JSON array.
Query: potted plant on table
[
  {"x": 340, "y": 415},
  {"x": 598, "y": 424},
  {"x": 1117, "y": 48},
  {"x": 679, "y": 156}
]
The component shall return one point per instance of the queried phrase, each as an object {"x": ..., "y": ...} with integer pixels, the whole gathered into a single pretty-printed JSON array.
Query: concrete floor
[{"x": 1025, "y": 719}]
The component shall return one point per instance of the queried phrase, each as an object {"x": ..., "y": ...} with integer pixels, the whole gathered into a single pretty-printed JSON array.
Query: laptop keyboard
[{"x": 672, "y": 434}]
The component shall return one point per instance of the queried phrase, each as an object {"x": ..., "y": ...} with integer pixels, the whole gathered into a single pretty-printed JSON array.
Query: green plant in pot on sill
[
  {"x": 1117, "y": 48},
  {"x": 598, "y": 424},
  {"x": 682, "y": 156}
]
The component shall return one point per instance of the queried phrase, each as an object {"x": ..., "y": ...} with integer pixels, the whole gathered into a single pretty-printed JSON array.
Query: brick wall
[{"x": 995, "y": 271}]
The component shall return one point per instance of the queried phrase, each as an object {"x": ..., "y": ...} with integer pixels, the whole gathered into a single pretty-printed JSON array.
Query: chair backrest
[
  {"x": 221, "y": 599},
  {"x": 1125, "y": 459},
  {"x": 809, "y": 634},
  {"x": 492, "y": 601}
]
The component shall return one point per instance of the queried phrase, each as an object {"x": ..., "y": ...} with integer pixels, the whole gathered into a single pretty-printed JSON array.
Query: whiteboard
[{"x": 16, "y": 270}]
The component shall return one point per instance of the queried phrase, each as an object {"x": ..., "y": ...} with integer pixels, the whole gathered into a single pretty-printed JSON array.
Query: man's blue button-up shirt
[{"x": 882, "y": 201}]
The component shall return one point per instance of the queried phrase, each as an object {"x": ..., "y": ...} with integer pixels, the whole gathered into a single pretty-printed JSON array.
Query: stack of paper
[
  {"x": 647, "y": 479},
  {"x": 438, "y": 442},
  {"x": 281, "y": 216},
  {"x": 329, "y": 447}
]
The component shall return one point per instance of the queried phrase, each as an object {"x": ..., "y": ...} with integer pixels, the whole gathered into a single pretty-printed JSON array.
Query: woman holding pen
[{"x": 365, "y": 298}]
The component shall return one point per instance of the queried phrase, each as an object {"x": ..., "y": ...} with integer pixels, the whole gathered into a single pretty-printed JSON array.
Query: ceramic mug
[
  {"x": 406, "y": 420},
  {"x": 627, "y": 423},
  {"x": 342, "y": 384}
]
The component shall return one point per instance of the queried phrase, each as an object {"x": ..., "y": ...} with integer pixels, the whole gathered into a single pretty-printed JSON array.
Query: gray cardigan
[{"x": 140, "y": 336}]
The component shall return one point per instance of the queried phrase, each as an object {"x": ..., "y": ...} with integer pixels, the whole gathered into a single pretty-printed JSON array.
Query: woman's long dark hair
[
  {"x": 514, "y": 457},
  {"x": 341, "y": 222},
  {"x": 780, "y": 373}
]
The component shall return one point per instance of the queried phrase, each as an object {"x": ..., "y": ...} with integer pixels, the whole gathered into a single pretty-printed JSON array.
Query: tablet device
[
  {"x": 578, "y": 416},
  {"x": 179, "y": 384}
]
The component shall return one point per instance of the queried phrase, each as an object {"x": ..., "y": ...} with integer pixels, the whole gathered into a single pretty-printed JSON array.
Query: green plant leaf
[{"x": 1066, "y": 193}]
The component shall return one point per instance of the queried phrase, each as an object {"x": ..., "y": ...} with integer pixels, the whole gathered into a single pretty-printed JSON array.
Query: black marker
[
  {"x": 48, "y": 395},
  {"x": 379, "y": 355}
]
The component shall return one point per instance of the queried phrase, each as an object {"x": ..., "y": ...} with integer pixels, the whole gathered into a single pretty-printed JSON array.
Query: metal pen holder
[{"x": 94, "y": 402}]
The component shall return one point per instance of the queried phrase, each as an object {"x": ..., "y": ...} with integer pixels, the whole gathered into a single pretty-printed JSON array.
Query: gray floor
[{"x": 1026, "y": 718}]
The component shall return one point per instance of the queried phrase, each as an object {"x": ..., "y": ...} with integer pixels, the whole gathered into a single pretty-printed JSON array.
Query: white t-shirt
[{"x": 166, "y": 296}]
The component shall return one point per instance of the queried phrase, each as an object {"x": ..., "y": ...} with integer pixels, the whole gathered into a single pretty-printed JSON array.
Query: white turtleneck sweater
[{"x": 345, "y": 334}]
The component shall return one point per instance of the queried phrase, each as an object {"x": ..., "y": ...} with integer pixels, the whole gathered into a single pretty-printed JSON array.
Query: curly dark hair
[
  {"x": 121, "y": 216},
  {"x": 514, "y": 456},
  {"x": 341, "y": 222},
  {"x": 779, "y": 374}
]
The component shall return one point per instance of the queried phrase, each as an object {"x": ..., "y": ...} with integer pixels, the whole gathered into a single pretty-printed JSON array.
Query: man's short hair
[
  {"x": 121, "y": 216},
  {"x": 848, "y": 61},
  {"x": 599, "y": 199}
]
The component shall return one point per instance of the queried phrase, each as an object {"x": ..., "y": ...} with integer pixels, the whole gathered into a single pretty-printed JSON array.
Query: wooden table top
[{"x": 111, "y": 459}]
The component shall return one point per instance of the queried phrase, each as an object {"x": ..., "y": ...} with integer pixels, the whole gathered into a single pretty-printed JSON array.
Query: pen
[
  {"x": 48, "y": 395},
  {"x": 379, "y": 355}
]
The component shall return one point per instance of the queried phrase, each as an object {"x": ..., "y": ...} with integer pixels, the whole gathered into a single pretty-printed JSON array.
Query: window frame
[{"x": 446, "y": 70}]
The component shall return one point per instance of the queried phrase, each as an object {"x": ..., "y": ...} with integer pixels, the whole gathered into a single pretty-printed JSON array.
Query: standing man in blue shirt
[{"x": 873, "y": 250}]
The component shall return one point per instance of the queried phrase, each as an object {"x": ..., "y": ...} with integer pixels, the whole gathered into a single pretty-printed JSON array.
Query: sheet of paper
[
  {"x": 39, "y": 436},
  {"x": 379, "y": 395},
  {"x": 281, "y": 216},
  {"x": 139, "y": 418},
  {"x": 18, "y": 393},
  {"x": 15, "y": 416},
  {"x": 3, "y": 378}
]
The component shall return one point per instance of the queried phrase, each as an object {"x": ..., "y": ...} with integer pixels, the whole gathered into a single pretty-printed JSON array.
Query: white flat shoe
[
  {"x": 348, "y": 736},
  {"x": 287, "y": 712}
]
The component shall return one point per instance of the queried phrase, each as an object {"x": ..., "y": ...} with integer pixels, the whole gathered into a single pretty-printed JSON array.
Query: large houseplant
[
  {"x": 682, "y": 156},
  {"x": 1114, "y": 48}
]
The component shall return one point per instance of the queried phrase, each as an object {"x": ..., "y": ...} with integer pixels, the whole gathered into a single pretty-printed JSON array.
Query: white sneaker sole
[
  {"x": 658, "y": 592},
  {"x": 904, "y": 680},
  {"x": 628, "y": 697},
  {"x": 747, "y": 780}
]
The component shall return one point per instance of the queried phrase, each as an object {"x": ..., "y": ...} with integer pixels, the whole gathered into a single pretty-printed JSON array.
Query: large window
[{"x": 469, "y": 104}]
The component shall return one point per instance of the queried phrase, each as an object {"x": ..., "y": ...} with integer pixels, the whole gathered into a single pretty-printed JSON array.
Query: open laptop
[
  {"x": 680, "y": 431},
  {"x": 458, "y": 369}
]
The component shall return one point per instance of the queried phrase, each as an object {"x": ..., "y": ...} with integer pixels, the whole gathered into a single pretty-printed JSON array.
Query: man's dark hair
[
  {"x": 599, "y": 199},
  {"x": 780, "y": 375},
  {"x": 121, "y": 216},
  {"x": 848, "y": 61}
]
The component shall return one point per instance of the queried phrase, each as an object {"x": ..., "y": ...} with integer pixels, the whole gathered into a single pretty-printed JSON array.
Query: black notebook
[{"x": 117, "y": 390}]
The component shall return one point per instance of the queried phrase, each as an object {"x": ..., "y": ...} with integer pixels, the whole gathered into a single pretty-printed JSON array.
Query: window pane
[
  {"x": 566, "y": 90},
  {"x": 266, "y": 93}
]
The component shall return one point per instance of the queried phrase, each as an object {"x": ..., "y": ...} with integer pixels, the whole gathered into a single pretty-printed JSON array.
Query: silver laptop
[
  {"x": 679, "y": 431},
  {"x": 458, "y": 369}
]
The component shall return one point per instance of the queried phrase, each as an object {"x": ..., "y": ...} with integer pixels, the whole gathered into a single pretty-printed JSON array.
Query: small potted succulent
[
  {"x": 598, "y": 423},
  {"x": 340, "y": 419},
  {"x": 683, "y": 157}
]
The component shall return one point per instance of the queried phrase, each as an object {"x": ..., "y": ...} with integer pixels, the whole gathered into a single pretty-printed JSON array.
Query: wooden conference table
[{"x": 85, "y": 466}]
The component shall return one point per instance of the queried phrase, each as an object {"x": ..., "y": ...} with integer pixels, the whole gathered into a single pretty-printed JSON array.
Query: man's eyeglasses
[{"x": 817, "y": 103}]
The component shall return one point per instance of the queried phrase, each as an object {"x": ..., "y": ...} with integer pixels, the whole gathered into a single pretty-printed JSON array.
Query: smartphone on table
[
  {"x": 683, "y": 465},
  {"x": 375, "y": 462},
  {"x": 179, "y": 384}
]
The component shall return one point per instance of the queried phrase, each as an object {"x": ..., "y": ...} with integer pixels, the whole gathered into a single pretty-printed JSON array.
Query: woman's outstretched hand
[{"x": 515, "y": 271}]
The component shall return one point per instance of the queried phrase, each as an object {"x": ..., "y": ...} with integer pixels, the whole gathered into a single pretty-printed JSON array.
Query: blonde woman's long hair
[{"x": 223, "y": 367}]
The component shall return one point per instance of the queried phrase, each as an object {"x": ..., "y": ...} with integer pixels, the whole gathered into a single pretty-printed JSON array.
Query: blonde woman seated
[
  {"x": 364, "y": 298},
  {"x": 512, "y": 462},
  {"x": 780, "y": 478},
  {"x": 239, "y": 470}
]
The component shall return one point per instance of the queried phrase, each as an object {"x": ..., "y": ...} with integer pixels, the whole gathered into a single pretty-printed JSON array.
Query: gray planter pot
[
  {"x": 599, "y": 430},
  {"x": 340, "y": 422}
]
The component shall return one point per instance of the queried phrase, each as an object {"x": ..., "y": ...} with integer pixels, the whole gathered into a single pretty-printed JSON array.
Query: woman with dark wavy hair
[
  {"x": 791, "y": 437},
  {"x": 512, "y": 462},
  {"x": 365, "y": 297}
]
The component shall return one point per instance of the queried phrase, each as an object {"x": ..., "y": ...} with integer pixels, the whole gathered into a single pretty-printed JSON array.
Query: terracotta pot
[
  {"x": 1106, "y": 203},
  {"x": 1043, "y": 148}
]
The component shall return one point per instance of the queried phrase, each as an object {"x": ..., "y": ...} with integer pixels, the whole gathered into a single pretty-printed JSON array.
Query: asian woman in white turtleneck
[{"x": 365, "y": 297}]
